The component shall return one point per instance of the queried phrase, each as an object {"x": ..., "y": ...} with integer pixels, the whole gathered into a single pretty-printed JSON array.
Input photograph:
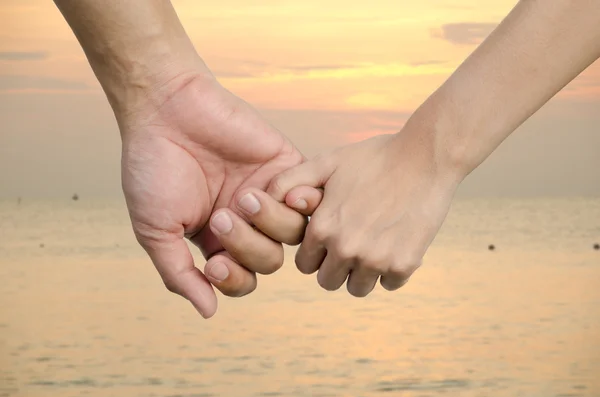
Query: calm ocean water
[{"x": 83, "y": 313}]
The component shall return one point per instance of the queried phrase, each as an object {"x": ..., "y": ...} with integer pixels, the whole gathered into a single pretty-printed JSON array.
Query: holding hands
[
  {"x": 384, "y": 201},
  {"x": 202, "y": 164}
]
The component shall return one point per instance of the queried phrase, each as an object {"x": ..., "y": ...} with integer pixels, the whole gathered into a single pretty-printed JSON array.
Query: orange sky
[{"x": 326, "y": 72}]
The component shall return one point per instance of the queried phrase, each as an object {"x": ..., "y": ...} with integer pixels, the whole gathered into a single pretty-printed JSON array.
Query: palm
[{"x": 187, "y": 159}]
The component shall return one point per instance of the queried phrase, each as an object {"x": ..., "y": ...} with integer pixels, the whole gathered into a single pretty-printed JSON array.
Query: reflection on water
[{"x": 86, "y": 315}]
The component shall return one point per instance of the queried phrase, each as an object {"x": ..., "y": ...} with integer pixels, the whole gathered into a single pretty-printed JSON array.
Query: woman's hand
[{"x": 384, "y": 201}]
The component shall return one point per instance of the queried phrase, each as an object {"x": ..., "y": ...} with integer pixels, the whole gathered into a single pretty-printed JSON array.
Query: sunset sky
[{"x": 325, "y": 72}]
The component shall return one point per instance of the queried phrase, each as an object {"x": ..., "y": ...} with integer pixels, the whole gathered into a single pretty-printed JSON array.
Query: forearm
[
  {"x": 539, "y": 48},
  {"x": 135, "y": 47}
]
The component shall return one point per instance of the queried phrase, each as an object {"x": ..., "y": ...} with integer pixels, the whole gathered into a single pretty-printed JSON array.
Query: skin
[
  {"x": 376, "y": 223},
  {"x": 386, "y": 198},
  {"x": 190, "y": 150}
]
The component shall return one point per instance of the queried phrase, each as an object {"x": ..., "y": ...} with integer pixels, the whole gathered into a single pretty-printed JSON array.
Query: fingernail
[
  {"x": 300, "y": 204},
  {"x": 219, "y": 271},
  {"x": 250, "y": 204},
  {"x": 222, "y": 223}
]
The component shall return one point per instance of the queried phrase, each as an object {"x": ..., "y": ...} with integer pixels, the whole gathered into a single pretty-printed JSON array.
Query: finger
[
  {"x": 304, "y": 199},
  {"x": 206, "y": 241},
  {"x": 314, "y": 173},
  {"x": 228, "y": 276},
  {"x": 333, "y": 272},
  {"x": 394, "y": 280},
  {"x": 271, "y": 217},
  {"x": 247, "y": 246},
  {"x": 361, "y": 281},
  {"x": 175, "y": 264},
  {"x": 311, "y": 252}
]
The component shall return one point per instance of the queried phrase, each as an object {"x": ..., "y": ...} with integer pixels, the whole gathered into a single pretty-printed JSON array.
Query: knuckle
[
  {"x": 322, "y": 283},
  {"x": 357, "y": 292},
  {"x": 400, "y": 273},
  {"x": 304, "y": 263},
  {"x": 325, "y": 283},
  {"x": 269, "y": 261},
  {"x": 393, "y": 285},
  {"x": 271, "y": 266},
  {"x": 238, "y": 291},
  {"x": 171, "y": 286},
  {"x": 303, "y": 267},
  {"x": 319, "y": 229},
  {"x": 354, "y": 248},
  {"x": 407, "y": 260},
  {"x": 295, "y": 236},
  {"x": 294, "y": 240},
  {"x": 403, "y": 269},
  {"x": 248, "y": 291},
  {"x": 277, "y": 187},
  {"x": 325, "y": 160},
  {"x": 346, "y": 251},
  {"x": 266, "y": 261},
  {"x": 240, "y": 284},
  {"x": 375, "y": 262},
  {"x": 146, "y": 238},
  {"x": 349, "y": 249}
]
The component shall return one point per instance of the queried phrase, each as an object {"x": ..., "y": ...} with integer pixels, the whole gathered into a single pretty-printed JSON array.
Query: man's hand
[
  {"x": 189, "y": 148},
  {"x": 184, "y": 157}
]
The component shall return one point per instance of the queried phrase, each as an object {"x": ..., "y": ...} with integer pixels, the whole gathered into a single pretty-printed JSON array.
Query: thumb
[
  {"x": 175, "y": 264},
  {"x": 314, "y": 173}
]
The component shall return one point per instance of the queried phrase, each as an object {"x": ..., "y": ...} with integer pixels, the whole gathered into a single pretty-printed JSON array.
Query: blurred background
[{"x": 83, "y": 312}]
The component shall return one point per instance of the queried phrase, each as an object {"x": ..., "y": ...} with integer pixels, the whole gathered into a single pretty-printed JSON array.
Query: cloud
[
  {"x": 303, "y": 68},
  {"x": 243, "y": 68},
  {"x": 464, "y": 32},
  {"x": 427, "y": 62},
  {"x": 232, "y": 68},
  {"x": 308, "y": 16},
  {"x": 21, "y": 82},
  {"x": 333, "y": 71},
  {"x": 316, "y": 130},
  {"x": 236, "y": 61},
  {"x": 23, "y": 55},
  {"x": 232, "y": 74},
  {"x": 361, "y": 71}
]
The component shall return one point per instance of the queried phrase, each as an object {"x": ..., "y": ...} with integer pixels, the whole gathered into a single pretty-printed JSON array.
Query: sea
[{"x": 84, "y": 313}]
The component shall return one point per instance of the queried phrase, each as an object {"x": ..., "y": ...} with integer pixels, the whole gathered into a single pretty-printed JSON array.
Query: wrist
[
  {"x": 437, "y": 134},
  {"x": 132, "y": 80},
  {"x": 135, "y": 50}
]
